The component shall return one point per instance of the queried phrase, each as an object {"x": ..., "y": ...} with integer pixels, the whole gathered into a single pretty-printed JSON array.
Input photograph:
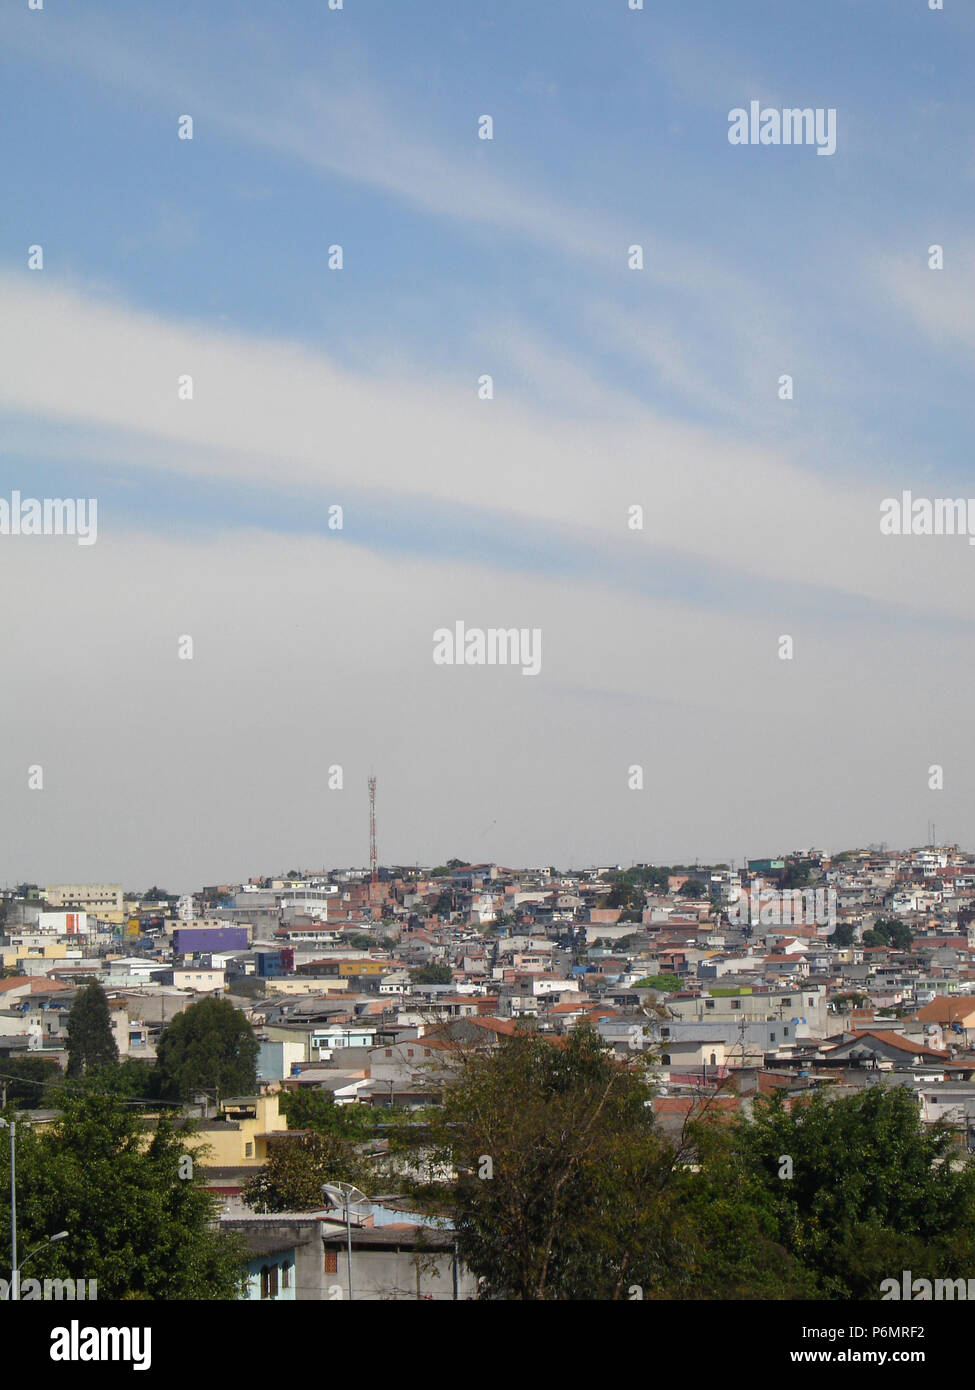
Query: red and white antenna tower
[{"x": 373, "y": 862}]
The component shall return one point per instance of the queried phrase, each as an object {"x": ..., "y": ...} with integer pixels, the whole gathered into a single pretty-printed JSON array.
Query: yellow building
[
  {"x": 238, "y": 1139},
  {"x": 306, "y": 984},
  {"x": 47, "y": 950},
  {"x": 363, "y": 967}
]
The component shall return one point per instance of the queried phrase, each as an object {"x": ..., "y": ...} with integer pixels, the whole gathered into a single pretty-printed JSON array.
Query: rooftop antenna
[{"x": 373, "y": 866}]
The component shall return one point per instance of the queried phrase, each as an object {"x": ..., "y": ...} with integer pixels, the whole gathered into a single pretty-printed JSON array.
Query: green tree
[
  {"x": 572, "y": 1204},
  {"x": 298, "y": 1165},
  {"x": 131, "y": 1079},
  {"x": 797, "y": 874},
  {"x": 665, "y": 982},
  {"x": 442, "y": 870},
  {"x": 733, "y": 1247},
  {"x": 434, "y": 973},
  {"x": 693, "y": 888},
  {"x": 889, "y": 931},
  {"x": 842, "y": 935},
  {"x": 138, "y": 1221},
  {"x": 28, "y": 1080},
  {"x": 310, "y": 1108},
  {"x": 871, "y": 1190},
  {"x": 566, "y": 1188},
  {"x": 210, "y": 1046},
  {"x": 156, "y": 895},
  {"x": 91, "y": 1042}
]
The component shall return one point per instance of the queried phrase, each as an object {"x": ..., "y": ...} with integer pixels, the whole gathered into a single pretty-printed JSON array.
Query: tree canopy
[
  {"x": 434, "y": 973},
  {"x": 889, "y": 931},
  {"x": 91, "y": 1042},
  {"x": 566, "y": 1187},
  {"x": 137, "y": 1220},
  {"x": 298, "y": 1165},
  {"x": 871, "y": 1190},
  {"x": 209, "y": 1047},
  {"x": 550, "y": 1142}
]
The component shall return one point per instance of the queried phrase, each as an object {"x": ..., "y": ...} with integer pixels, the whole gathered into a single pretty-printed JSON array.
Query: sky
[{"x": 359, "y": 387}]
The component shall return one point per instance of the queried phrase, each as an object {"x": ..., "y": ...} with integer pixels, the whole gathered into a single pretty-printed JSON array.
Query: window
[
  {"x": 736, "y": 1003},
  {"x": 771, "y": 1037},
  {"x": 666, "y": 1059},
  {"x": 331, "y": 1262},
  {"x": 249, "y": 1150},
  {"x": 389, "y": 1052},
  {"x": 269, "y": 1281},
  {"x": 286, "y": 1275},
  {"x": 709, "y": 1003},
  {"x": 787, "y": 1003}
]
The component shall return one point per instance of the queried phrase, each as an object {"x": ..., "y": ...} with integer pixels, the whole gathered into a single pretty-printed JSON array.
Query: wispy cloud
[{"x": 262, "y": 404}]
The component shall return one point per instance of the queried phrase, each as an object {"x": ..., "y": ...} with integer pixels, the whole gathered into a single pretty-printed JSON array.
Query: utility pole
[
  {"x": 14, "y": 1272},
  {"x": 348, "y": 1231}
]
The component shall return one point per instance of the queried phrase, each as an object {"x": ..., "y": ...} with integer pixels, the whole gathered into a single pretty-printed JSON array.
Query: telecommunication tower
[{"x": 373, "y": 862}]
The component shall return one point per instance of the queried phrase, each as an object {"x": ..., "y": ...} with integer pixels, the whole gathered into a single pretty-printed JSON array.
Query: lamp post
[
  {"x": 12, "y": 1126},
  {"x": 344, "y": 1191},
  {"x": 15, "y": 1273}
]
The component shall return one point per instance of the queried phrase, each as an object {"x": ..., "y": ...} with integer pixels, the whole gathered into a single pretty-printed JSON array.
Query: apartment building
[{"x": 86, "y": 897}]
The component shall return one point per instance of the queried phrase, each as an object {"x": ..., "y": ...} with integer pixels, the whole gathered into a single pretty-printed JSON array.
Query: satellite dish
[{"x": 340, "y": 1193}]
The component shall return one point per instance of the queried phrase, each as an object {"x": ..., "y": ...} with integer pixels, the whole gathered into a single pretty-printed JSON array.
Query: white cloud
[{"x": 266, "y": 410}]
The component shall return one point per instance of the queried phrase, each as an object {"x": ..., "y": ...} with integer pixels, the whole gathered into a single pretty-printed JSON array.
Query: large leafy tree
[
  {"x": 211, "y": 1046},
  {"x": 565, "y": 1189},
  {"x": 871, "y": 1191},
  {"x": 733, "y": 1249},
  {"x": 138, "y": 1221},
  {"x": 552, "y": 1141},
  {"x": 91, "y": 1042}
]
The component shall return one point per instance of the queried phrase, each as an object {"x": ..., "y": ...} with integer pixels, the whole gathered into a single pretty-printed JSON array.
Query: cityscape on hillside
[{"x": 791, "y": 976}]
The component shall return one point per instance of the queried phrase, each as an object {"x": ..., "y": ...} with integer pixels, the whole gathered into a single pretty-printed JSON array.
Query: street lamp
[
  {"x": 341, "y": 1194},
  {"x": 15, "y": 1273},
  {"x": 12, "y": 1126}
]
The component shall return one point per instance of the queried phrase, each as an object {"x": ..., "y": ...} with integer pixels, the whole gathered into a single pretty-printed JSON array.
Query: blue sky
[{"x": 508, "y": 257}]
